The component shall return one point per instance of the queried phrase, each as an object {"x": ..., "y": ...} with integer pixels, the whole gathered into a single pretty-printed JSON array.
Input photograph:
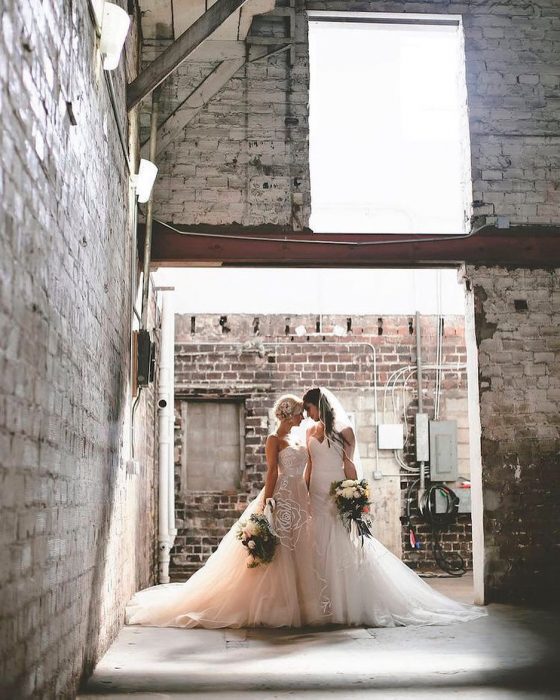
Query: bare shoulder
[
  {"x": 272, "y": 441},
  {"x": 348, "y": 435}
]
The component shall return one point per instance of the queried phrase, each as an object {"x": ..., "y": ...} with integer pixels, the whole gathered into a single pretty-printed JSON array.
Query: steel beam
[{"x": 523, "y": 246}]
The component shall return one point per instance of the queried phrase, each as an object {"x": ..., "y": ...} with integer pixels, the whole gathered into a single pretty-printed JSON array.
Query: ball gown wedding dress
[
  {"x": 366, "y": 585},
  {"x": 225, "y": 593}
]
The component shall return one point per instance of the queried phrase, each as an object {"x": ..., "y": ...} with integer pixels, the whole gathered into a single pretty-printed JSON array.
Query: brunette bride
[
  {"x": 225, "y": 592},
  {"x": 361, "y": 585}
]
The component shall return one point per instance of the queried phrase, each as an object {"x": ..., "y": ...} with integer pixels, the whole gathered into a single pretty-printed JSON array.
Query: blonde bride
[{"x": 225, "y": 592}]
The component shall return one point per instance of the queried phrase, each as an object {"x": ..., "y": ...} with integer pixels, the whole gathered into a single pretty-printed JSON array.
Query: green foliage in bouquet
[
  {"x": 256, "y": 537},
  {"x": 351, "y": 497}
]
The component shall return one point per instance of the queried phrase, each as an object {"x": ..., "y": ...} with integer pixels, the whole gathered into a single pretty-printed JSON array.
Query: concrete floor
[{"x": 514, "y": 653}]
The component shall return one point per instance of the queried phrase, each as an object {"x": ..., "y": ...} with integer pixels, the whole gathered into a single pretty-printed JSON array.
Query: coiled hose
[{"x": 450, "y": 562}]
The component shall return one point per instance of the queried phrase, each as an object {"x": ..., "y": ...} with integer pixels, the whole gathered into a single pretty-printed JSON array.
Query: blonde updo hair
[{"x": 287, "y": 406}]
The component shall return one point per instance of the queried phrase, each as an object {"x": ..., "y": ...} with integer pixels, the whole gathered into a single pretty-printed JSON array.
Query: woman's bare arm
[
  {"x": 309, "y": 465},
  {"x": 349, "y": 447},
  {"x": 272, "y": 466}
]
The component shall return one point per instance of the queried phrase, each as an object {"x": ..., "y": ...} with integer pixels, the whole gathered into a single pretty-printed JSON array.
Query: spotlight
[
  {"x": 300, "y": 330},
  {"x": 113, "y": 34},
  {"x": 145, "y": 179},
  {"x": 339, "y": 330}
]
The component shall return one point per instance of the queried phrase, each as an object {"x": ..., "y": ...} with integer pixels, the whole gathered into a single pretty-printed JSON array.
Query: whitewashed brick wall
[{"x": 74, "y": 539}]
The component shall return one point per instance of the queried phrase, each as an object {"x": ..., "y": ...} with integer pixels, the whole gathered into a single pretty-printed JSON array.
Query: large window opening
[{"x": 389, "y": 146}]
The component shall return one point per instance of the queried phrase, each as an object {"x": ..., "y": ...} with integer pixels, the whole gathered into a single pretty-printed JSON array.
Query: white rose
[
  {"x": 252, "y": 544},
  {"x": 348, "y": 492},
  {"x": 347, "y": 483},
  {"x": 252, "y": 528},
  {"x": 357, "y": 494}
]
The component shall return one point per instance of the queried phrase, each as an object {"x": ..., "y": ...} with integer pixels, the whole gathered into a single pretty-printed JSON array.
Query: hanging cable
[
  {"x": 134, "y": 407},
  {"x": 406, "y": 519},
  {"x": 350, "y": 244}
]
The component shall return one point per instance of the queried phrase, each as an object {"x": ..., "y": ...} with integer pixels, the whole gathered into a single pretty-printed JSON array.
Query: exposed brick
[
  {"x": 520, "y": 434},
  {"x": 73, "y": 546},
  {"x": 207, "y": 366}
]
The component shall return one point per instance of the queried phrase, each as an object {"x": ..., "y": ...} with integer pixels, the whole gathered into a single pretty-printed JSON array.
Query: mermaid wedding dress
[
  {"x": 225, "y": 593},
  {"x": 367, "y": 585}
]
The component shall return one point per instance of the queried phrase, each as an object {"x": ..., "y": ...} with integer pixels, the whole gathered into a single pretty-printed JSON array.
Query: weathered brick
[
  {"x": 73, "y": 548},
  {"x": 520, "y": 430},
  {"x": 214, "y": 369}
]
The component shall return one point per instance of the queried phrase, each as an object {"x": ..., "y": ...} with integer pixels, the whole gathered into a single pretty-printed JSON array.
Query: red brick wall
[{"x": 238, "y": 359}]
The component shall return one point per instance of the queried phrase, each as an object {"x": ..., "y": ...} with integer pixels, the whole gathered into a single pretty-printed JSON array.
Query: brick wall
[
  {"x": 518, "y": 337},
  {"x": 75, "y": 542},
  {"x": 245, "y": 155},
  {"x": 254, "y": 359}
]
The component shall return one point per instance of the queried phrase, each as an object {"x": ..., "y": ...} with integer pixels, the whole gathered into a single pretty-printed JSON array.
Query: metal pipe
[
  {"x": 170, "y": 350},
  {"x": 164, "y": 409},
  {"x": 149, "y": 213},
  {"x": 422, "y": 486}
]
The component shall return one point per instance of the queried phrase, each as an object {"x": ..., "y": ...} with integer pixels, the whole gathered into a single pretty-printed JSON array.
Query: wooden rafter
[
  {"x": 197, "y": 99},
  {"x": 169, "y": 130},
  {"x": 180, "y": 50}
]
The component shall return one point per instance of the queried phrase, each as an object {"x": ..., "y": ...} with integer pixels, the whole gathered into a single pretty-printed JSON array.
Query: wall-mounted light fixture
[
  {"x": 300, "y": 330},
  {"x": 145, "y": 179},
  {"x": 339, "y": 331},
  {"x": 113, "y": 34}
]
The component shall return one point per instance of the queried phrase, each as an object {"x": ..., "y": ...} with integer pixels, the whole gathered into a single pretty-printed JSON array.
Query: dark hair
[{"x": 326, "y": 413}]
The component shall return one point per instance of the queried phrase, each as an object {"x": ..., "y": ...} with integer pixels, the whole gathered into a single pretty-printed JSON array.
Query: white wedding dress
[
  {"x": 225, "y": 593},
  {"x": 367, "y": 585}
]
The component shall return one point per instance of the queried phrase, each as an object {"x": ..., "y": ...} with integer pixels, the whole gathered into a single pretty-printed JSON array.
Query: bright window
[{"x": 389, "y": 147}]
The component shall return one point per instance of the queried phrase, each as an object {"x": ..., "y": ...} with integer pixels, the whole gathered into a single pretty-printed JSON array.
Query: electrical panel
[
  {"x": 422, "y": 437},
  {"x": 443, "y": 450},
  {"x": 145, "y": 362},
  {"x": 390, "y": 436}
]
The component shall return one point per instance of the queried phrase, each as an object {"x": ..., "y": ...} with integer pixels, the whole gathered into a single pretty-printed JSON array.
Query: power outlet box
[{"x": 390, "y": 436}]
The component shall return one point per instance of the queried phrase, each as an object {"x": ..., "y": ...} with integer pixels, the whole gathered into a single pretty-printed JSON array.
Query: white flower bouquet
[
  {"x": 351, "y": 497},
  {"x": 256, "y": 536}
]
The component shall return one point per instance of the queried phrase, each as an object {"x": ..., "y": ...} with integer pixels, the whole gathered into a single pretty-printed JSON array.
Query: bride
[
  {"x": 366, "y": 585},
  {"x": 225, "y": 592}
]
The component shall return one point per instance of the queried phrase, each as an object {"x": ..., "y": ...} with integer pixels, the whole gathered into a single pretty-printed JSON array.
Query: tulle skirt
[
  {"x": 318, "y": 576},
  {"x": 367, "y": 585},
  {"x": 226, "y": 593}
]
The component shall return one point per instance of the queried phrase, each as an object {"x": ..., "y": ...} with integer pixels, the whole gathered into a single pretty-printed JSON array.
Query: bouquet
[
  {"x": 351, "y": 497},
  {"x": 255, "y": 534}
]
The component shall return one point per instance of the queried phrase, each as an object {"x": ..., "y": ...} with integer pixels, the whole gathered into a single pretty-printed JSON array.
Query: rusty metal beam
[
  {"x": 180, "y": 50},
  {"x": 523, "y": 246}
]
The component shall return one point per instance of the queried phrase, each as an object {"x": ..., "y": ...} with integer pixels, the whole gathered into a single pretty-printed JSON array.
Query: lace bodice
[
  {"x": 292, "y": 460},
  {"x": 292, "y": 502}
]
